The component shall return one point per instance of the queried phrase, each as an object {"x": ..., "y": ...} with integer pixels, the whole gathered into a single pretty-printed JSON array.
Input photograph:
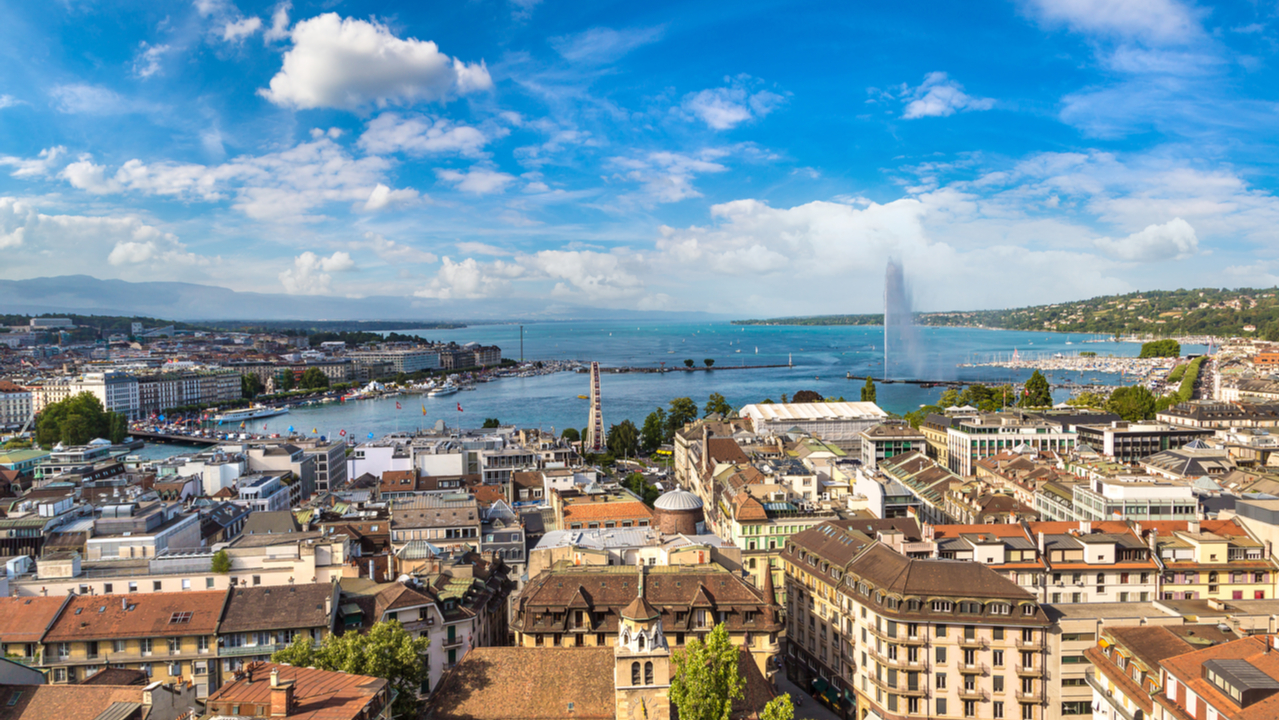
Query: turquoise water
[{"x": 821, "y": 357}]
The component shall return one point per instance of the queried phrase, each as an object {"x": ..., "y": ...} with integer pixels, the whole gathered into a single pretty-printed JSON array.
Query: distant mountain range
[{"x": 83, "y": 294}]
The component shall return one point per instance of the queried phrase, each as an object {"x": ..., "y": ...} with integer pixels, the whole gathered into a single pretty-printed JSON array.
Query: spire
[
  {"x": 769, "y": 595},
  {"x": 640, "y": 609}
]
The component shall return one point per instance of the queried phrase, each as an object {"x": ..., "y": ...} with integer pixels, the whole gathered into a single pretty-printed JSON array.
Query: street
[{"x": 807, "y": 706}]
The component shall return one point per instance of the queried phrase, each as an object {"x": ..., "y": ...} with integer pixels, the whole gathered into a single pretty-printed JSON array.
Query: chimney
[
  {"x": 281, "y": 695},
  {"x": 1086, "y": 527},
  {"x": 1040, "y": 542},
  {"x": 706, "y": 449},
  {"x": 1193, "y": 526}
]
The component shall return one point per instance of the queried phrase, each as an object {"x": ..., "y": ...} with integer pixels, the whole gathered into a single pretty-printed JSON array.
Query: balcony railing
[
  {"x": 973, "y": 642},
  {"x": 1034, "y": 696},
  {"x": 454, "y": 641},
  {"x": 1029, "y": 670},
  {"x": 975, "y": 668},
  {"x": 975, "y": 693}
]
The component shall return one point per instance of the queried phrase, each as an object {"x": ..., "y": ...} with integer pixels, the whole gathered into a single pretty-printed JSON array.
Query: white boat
[
  {"x": 445, "y": 389},
  {"x": 251, "y": 413}
]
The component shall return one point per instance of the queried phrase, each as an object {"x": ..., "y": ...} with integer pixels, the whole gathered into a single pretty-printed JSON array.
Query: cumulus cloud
[
  {"x": 604, "y": 45},
  {"x": 121, "y": 246},
  {"x": 390, "y": 132},
  {"x": 479, "y": 248},
  {"x": 394, "y": 252},
  {"x": 481, "y": 181},
  {"x": 1174, "y": 240},
  {"x": 469, "y": 279},
  {"x": 725, "y": 108},
  {"x": 384, "y": 197},
  {"x": 350, "y": 64},
  {"x": 83, "y": 99},
  {"x": 38, "y": 166},
  {"x": 939, "y": 96},
  {"x": 598, "y": 276},
  {"x": 236, "y": 31},
  {"x": 311, "y": 273},
  {"x": 279, "y": 29},
  {"x": 286, "y": 185},
  {"x": 1151, "y": 21}
]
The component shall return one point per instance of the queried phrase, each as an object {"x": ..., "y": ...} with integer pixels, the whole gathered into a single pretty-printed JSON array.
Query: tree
[
  {"x": 869, "y": 391},
  {"x": 285, "y": 381},
  {"x": 77, "y": 420},
  {"x": 1097, "y": 401},
  {"x": 1133, "y": 403},
  {"x": 709, "y": 362},
  {"x": 716, "y": 405},
  {"x": 705, "y": 679},
  {"x": 654, "y": 431},
  {"x": 221, "y": 562},
  {"x": 1036, "y": 392},
  {"x": 641, "y": 487},
  {"x": 779, "y": 708},
  {"x": 387, "y": 652},
  {"x": 314, "y": 379},
  {"x": 491, "y": 423},
  {"x": 950, "y": 398},
  {"x": 688, "y": 362},
  {"x": 1160, "y": 348},
  {"x": 250, "y": 386},
  {"x": 806, "y": 396},
  {"x": 622, "y": 439},
  {"x": 681, "y": 411},
  {"x": 18, "y": 444},
  {"x": 571, "y": 434}
]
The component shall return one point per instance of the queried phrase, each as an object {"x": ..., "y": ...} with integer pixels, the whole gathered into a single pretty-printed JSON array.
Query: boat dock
[{"x": 168, "y": 437}]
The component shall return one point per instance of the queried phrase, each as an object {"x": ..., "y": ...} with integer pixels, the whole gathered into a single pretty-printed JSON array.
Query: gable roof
[
  {"x": 65, "y": 702},
  {"x": 24, "y": 619},
  {"x": 162, "y": 614},
  {"x": 252, "y": 609}
]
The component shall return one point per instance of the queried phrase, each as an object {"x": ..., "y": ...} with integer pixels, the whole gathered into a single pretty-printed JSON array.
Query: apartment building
[
  {"x": 168, "y": 636},
  {"x": 1140, "y": 498},
  {"x": 258, "y": 621},
  {"x": 969, "y": 439},
  {"x": 267, "y": 690},
  {"x": 17, "y": 405},
  {"x": 571, "y": 606},
  {"x": 130, "y": 530},
  {"x": 874, "y": 632},
  {"x": 596, "y": 507},
  {"x": 1213, "y": 560},
  {"x": 885, "y": 441},
  {"x": 1130, "y": 442},
  {"x": 927, "y": 480},
  {"x": 401, "y": 361},
  {"x": 161, "y": 391},
  {"x": 117, "y": 391},
  {"x": 445, "y": 520}
]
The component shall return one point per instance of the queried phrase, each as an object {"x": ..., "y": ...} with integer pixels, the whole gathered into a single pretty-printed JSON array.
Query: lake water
[{"x": 820, "y": 357}]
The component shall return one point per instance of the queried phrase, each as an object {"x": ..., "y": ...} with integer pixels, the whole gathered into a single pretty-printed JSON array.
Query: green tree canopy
[
  {"x": 779, "y": 708},
  {"x": 250, "y": 386},
  {"x": 688, "y": 362},
  {"x": 623, "y": 439},
  {"x": 491, "y": 423},
  {"x": 221, "y": 562},
  {"x": 1160, "y": 348},
  {"x": 638, "y": 485},
  {"x": 1036, "y": 392},
  {"x": 680, "y": 411},
  {"x": 705, "y": 679},
  {"x": 77, "y": 420},
  {"x": 709, "y": 362},
  {"x": 1133, "y": 403},
  {"x": 869, "y": 391},
  {"x": 387, "y": 652},
  {"x": 806, "y": 396},
  {"x": 571, "y": 434},
  {"x": 1097, "y": 401},
  {"x": 654, "y": 431},
  {"x": 314, "y": 379},
  {"x": 717, "y": 405}
]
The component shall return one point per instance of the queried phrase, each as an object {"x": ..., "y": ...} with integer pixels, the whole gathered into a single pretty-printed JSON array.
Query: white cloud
[
  {"x": 479, "y": 248},
  {"x": 727, "y": 107},
  {"x": 469, "y": 279},
  {"x": 480, "y": 181},
  {"x": 287, "y": 185},
  {"x": 235, "y": 31},
  {"x": 1151, "y": 21},
  {"x": 523, "y": 9},
  {"x": 147, "y": 62},
  {"x": 38, "y": 166},
  {"x": 384, "y": 197},
  {"x": 604, "y": 45},
  {"x": 1174, "y": 240},
  {"x": 389, "y": 133},
  {"x": 84, "y": 175},
  {"x": 352, "y": 64},
  {"x": 82, "y": 99},
  {"x": 394, "y": 252},
  {"x": 120, "y": 246},
  {"x": 8, "y": 101},
  {"x": 939, "y": 96},
  {"x": 668, "y": 176},
  {"x": 310, "y": 274},
  {"x": 279, "y": 29},
  {"x": 598, "y": 276}
]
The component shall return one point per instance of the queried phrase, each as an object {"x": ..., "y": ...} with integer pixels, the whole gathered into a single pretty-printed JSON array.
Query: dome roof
[{"x": 678, "y": 500}]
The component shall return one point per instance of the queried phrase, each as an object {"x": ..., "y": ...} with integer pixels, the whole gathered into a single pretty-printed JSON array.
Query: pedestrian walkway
[{"x": 807, "y": 706}]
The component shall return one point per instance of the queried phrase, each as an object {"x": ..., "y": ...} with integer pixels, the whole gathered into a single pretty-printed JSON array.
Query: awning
[
  {"x": 833, "y": 696},
  {"x": 821, "y": 685}
]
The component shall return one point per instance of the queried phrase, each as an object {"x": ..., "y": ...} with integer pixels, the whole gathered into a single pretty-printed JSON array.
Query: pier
[{"x": 168, "y": 437}]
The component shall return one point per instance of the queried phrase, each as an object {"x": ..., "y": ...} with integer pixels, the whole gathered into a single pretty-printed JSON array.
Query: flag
[
  {"x": 370, "y": 436},
  {"x": 342, "y": 433},
  {"x": 424, "y": 409},
  {"x": 241, "y": 424},
  {"x": 397, "y": 404},
  {"x": 315, "y": 431},
  {"x": 291, "y": 429},
  {"x": 459, "y": 407}
]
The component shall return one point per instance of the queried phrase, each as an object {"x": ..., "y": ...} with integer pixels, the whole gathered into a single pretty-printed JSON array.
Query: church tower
[{"x": 641, "y": 662}]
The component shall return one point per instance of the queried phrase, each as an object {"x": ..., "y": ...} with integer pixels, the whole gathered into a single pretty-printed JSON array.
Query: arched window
[
  {"x": 648, "y": 673},
  {"x": 640, "y": 640},
  {"x": 635, "y": 673}
]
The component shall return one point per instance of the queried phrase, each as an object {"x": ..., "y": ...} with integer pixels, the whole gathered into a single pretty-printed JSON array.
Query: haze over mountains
[{"x": 188, "y": 301}]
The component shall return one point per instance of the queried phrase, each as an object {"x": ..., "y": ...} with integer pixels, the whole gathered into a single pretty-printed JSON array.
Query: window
[
  {"x": 59, "y": 674},
  {"x": 202, "y": 643},
  {"x": 635, "y": 673},
  {"x": 186, "y": 583},
  {"x": 940, "y": 706},
  {"x": 913, "y": 706},
  {"x": 997, "y": 658},
  {"x": 970, "y": 708},
  {"x": 208, "y": 583},
  {"x": 940, "y": 682},
  {"x": 997, "y": 683},
  {"x": 940, "y": 654},
  {"x": 107, "y": 588},
  {"x": 133, "y": 587},
  {"x": 144, "y": 646},
  {"x": 648, "y": 673},
  {"x": 1028, "y": 711},
  {"x": 175, "y": 646},
  {"x": 940, "y": 631},
  {"x": 257, "y": 579},
  {"x": 1081, "y": 707},
  {"x": 997, "y": 710},
  {"x": 64, "y": 651},
  {"x": 117, "y": 646}
]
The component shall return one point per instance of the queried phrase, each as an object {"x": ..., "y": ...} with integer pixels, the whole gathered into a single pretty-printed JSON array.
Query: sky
[{"x": 748, "y": 158}]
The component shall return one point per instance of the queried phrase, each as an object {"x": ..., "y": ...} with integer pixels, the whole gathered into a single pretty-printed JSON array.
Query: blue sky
[{"x": 745, "y": 158}]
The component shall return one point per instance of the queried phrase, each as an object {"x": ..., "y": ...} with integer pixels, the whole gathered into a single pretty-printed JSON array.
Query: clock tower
[{"x": 641, "y": 662}]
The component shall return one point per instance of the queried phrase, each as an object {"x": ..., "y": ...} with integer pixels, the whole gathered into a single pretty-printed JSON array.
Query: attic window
[
  {"x": 180, "y": 617},
  {"x": 17, "y": 695}
]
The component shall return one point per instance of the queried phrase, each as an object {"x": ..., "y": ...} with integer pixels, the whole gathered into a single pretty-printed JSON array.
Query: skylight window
[{"x": 180, "y": 617}]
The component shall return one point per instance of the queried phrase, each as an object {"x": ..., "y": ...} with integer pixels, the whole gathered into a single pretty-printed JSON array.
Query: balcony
[
  {"x": 974, "y": 693},
  {"x": 1029, "y": 671},
  {"x": 912, "y": 639},
  {"x": 243, "y": 650},
  {"x": 452, "y": 642},
  {"x": 884, "y": 635},
  {"x": 1035, "y": 696},
  {"x": 972, "y": 668},
  {"x": 973, "y": 642}
]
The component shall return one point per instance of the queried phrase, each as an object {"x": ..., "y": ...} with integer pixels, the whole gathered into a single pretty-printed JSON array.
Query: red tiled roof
[
  {"x": 162, "y": 614},
  {"x": 317, "y": 694},
  {"x": 1254, "y": 650},
  {"x": 24, "y": 619},
  {"x": 63, "y": 702}
]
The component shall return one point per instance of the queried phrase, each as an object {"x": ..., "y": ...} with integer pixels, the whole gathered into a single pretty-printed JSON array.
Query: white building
[
  {"x": 402, "y": 361},
  {"x": 1139, "y": 498},
  {"x": 117, "y": 391},
  {"x": 17, "y": 405},
  {"x": 839, "y": 423}
]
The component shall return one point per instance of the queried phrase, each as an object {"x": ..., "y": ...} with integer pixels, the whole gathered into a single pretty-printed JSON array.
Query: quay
[
  {"x": 660, "y": 370},
  {"x": 166, "y": 437}
]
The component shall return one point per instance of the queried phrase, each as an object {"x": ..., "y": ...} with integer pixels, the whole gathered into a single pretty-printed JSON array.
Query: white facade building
[
  {"x": 17, "y": 405},
  {"x": 839, "y": 423}
]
